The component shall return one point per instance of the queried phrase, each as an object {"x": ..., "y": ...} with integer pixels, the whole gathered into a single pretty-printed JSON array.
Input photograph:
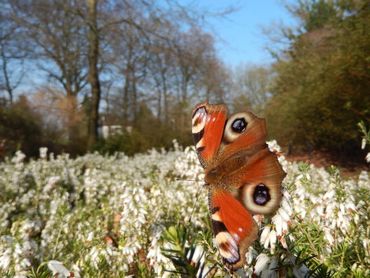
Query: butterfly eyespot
[
  {"x": 235, "y": 126},
  {"x": 199, "y": 120},
  {"x": 261, "y": 198},
  {"x": 261, "y": 195},
  {"x": 239, "y": 125}
]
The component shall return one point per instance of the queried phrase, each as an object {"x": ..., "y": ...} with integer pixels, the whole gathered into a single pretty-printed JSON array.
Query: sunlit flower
[
  {"x": 43, "y": 153},
  {"x": 62, "y": 206},
  {"x": 263, "y": 261},
  {"x": 265, "y": 234},
  {"x": 19, "y": 157}
]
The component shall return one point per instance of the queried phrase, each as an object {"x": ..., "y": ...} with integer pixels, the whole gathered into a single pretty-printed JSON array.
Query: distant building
[
  {"x": 109, "y": 126},
  {"x": 108, "y": 130}
]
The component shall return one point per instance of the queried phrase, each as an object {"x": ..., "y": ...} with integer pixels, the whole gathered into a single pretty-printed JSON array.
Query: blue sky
[{"x": 240, "y": 38}]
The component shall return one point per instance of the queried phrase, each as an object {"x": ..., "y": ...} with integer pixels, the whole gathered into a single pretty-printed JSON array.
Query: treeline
[
  {"x": 137, "y": 64},
  {"x": 142, "y": 65}
]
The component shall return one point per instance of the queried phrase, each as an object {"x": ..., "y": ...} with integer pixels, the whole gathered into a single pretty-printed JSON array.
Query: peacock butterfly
[{"x": 242, "y": 175}]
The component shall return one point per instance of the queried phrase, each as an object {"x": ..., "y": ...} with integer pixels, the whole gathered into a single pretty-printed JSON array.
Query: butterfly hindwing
[
  {"x": 233, "y": 226},
  {"x": 261, "y": 183}
]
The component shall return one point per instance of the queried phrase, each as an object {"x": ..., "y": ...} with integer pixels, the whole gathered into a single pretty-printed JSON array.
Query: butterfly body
[{"x": 242, "y": 175}]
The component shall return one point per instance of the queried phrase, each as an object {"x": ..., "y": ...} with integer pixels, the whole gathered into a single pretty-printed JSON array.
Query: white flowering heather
[
  {"x": 117, "y": 216},
  {"x": 365, "y": 139}
]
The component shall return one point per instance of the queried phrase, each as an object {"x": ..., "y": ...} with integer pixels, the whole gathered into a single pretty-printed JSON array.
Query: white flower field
[{"x": 147, "y": 216}]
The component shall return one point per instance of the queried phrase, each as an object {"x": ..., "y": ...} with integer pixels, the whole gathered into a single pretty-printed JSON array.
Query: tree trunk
[
  {"x": 165, "y": 95},
  {"x": 8, "y": 86},
  {"x": 134, "y": 98},
  {"x": 126, "y": 89},
  {"x": 159, "y": 105},
  {"x": 93, "y": 75},
  {"x": 72, "y": 124}
]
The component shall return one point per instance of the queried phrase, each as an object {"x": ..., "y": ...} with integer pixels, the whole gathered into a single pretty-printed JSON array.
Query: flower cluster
[{"x": 108, "y": 215}]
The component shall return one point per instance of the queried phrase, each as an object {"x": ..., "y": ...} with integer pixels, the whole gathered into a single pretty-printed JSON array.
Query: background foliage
[
  {"x": 321, "y": 89},
  {"x": 155, "y": 61}
]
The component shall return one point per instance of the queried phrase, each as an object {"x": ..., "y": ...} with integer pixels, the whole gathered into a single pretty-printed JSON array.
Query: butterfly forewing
[
  {"x": 207, "y": 128},
  {"x": 252, "y": 138}
]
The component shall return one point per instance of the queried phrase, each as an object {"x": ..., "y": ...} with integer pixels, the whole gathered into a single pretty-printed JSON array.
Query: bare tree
[
  {"x": 11, "y": 54},
  {"x": 162, "y": 68},
  {"x": 56, "y": 38},
  {"x": 8, "y": 83},
  {"x": 93, "y": 74},
  {"x": 160, "y": 58},
  {"x": 252, "y": 85},
  {"x": 130, "y": 63}
]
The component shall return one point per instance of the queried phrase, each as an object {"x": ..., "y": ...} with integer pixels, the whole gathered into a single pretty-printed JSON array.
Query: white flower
[
  {"x": 363, "y": 143},
  {"x": 272, "y": 238},
  {"x": 43, "y": 152},
  {"x": 278, "y": 221},
  {"x": 198, "y": 255},
  {"x": 328, "y": 235},
  {"x": 19, "y": 157},
  {"x": 283, "y": 241},
  {"x": 5, "y": 259},
  {"x": 286, "y": 206},
  {"x": 90, "y": 236},
  {"x": 265, "y": 234},
  {"x": 58, "y": 269},
  {"x": 367, "y": 158},
  {"x": 262, "y": 263},
  {"x": 25, "y": 263},
  {"x": 51, "y": 184},
  {"x": 251, "y": 254}
]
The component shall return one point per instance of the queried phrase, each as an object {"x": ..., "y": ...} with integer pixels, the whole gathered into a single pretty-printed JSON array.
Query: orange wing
[
  {"x": 233, "y": 226},
  {"x": 245, "y": 162},
  {"x": 208, "y": 124},
  {"x": 252, "y": 137},
  {"x": 259, "y": 182}
]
